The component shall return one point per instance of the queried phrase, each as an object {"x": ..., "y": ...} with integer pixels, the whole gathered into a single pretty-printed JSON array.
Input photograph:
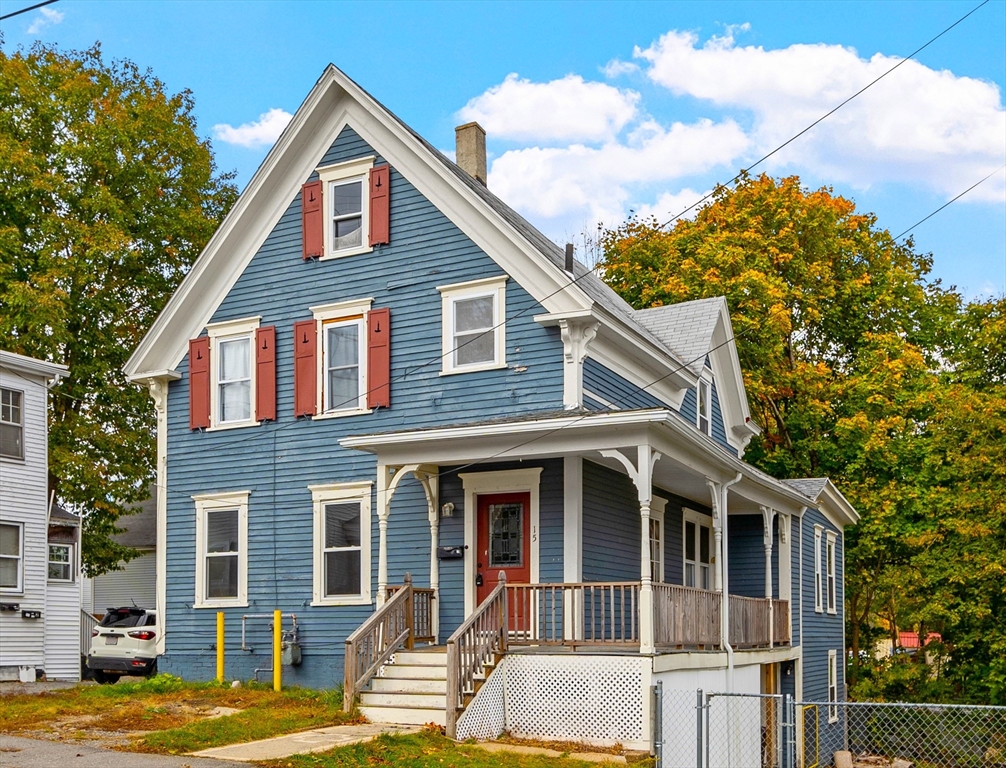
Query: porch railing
[
  {"x": 686, "y": 617},
  {"x": 479, "y": 641},
  {"x": 780, "y": 622},
  {"x": 371, "y": 645},
  {"x": 87, "y": 625},
  {"x": 749, "y": 621},
  {"x": 602, "y": 613},
  {"x": 422, "y": 612}
]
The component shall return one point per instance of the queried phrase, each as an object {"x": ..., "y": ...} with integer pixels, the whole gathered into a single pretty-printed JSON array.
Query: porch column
[
  {"x": 642, "y": 477},
  {"x": 383, "y": 510},
  {"x": 714, "y": 491},
  {"x": 768, "y": 516},
  {"x": 572, "y": 544},
  {"x": 430, "y": 486},
  {"x": 786, "y": 566}
]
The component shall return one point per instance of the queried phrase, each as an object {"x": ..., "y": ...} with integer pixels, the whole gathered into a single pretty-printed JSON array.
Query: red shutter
[
  {"x": 199, "y": 383},
  {"x": 265, "y": 373},
  {"x": 305, "y": 369},
  {"x": 380, "y": 209},
  {"x": 379, "y": 358},
  {"x": 311, "y": 219}
]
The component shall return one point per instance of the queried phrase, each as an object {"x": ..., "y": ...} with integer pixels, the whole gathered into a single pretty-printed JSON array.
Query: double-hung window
[
  {"x": 11, "y": 424},
  {"x": 343, "y": 378},
  {"x": 698, "y": 535},
  {"x": 474, "y": 331},
  {"x": 818, "y": 571},
  {"x": 341, "y": 543},
  {"x": 704, "y": 404},
  {"x": 60, "y": 562},
  {"x": 657, "y": 540},
  {"x": 832, "y": 583},
  {"x": 232, "y": 359},
  {"x": 347, "y": 212},
  {"x": 221, "y": 549},
  {"x": 11, "y": 558},
  {"x": 832, "y": 686}
]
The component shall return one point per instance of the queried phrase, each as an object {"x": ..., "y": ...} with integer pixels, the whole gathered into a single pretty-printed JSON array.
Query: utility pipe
[{"x": 220, "y": 646}]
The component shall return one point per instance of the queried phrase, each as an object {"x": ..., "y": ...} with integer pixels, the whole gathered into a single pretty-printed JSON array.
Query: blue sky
[{"x": 596, "y": 109}]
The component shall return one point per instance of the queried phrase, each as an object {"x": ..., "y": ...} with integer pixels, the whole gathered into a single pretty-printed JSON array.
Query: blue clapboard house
[{"x": 482, "y": 489}]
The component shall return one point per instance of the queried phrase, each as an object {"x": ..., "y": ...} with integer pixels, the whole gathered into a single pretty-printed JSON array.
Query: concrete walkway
[{"x": 318, "y": 740}]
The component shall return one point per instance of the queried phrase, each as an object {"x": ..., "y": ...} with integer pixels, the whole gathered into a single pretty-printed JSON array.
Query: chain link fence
[{"x": 699, "y": 729}]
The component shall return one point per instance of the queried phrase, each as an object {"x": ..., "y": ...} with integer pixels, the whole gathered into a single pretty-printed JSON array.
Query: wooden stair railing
[
  {"x": 479, "y": 641},
  {"x": 371, "y": 645},
  {"x": 422, "y": 612}
]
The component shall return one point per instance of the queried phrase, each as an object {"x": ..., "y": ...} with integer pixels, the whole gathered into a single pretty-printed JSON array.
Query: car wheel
[
  {"x": 153, "y": 670},
  {"x": 105, "y": 678}
]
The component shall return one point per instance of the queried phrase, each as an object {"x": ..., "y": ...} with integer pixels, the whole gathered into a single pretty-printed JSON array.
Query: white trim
[
  {"x": 603, "y": 401},
  {"x": 493, "y": 287},
  {"x": 831, "y": 581},
  {"x": 500, "y": 481},
  {"x": 572, "y": 519},
  {"x": 206, "y": 502},
  {"x": 705, "y": 384},
  {"x": 21, "y": 408},
  {"x": 818, "y": 571},
  {"x": 335, "y": 492},
  {"x": 700, "y": 519},
  {"x": 342, "y": 309},
  {"x": 658, "y": 506},
  {"x": 351, "y": 170},
  {"x": 32, "y": 365},
  {"x": 361, "y": 367},
  {"x": 18, "y": 589},
  {"x": 328, "y": 314},
  {"x": 231, "y": 330}
]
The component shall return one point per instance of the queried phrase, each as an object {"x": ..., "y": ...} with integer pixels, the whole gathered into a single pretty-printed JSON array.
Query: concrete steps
[{"x": 411, "y": 690}]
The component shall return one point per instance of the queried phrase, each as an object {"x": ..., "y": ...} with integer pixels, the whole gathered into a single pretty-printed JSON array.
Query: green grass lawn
[{"x": 427, "y": 749}]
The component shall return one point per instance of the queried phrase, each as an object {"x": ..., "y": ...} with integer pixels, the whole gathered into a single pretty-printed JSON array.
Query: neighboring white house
[
  {"x": 39, "y": 553},
  {"x": 136, "y": 583}
]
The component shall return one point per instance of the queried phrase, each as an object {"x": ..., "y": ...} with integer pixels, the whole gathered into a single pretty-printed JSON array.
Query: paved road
[{"x": 16, "y": 752}]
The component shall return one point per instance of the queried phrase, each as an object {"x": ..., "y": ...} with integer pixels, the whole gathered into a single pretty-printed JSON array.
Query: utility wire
[
  {"x": 823, "y": 117},
  {"x": 25, "y": 10},
  {"x": 920, "y": 221}
]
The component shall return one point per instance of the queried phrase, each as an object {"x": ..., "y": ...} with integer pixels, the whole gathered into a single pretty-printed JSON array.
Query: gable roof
[
  {"x": 688, "y": 326},
  {"x": 827, "y": 498}
]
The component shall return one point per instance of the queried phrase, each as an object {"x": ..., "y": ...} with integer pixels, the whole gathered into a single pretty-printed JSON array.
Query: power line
[
  {"x": 29, "y": 8},
  {"x": 823, "y": 117},
  {"x": 920, "y": 221}
]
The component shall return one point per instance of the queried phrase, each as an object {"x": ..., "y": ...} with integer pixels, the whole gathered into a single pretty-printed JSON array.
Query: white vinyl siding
[{"x": 135, "y": 583}]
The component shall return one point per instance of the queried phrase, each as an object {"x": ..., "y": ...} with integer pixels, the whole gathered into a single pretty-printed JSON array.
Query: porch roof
[{"x": 690, "y": 457}]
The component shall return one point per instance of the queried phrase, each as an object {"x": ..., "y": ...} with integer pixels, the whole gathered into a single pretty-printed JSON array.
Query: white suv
[{"x": 124, "y": 643}]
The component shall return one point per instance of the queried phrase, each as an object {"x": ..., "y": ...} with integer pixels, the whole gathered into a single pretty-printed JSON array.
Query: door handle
[{"x": 478, "y": 580}]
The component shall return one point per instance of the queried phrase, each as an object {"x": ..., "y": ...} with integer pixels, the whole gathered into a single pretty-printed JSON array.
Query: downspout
[{"x": 725, "y": 612}]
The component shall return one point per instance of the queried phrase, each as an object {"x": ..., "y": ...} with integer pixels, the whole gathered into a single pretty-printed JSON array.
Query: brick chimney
[{"x": 471, "y": 150}]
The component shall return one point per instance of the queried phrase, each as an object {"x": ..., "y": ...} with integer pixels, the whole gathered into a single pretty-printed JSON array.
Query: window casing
[
  {"x": 342, "y": 543},
  {"x": 342, "y": 354},
  {"x": 832, "y": 686},
  {"x": 704, "y": 404},
  {"x": 11, "y": 423},
  {"x": 474, "y": 331},
  {"x": 347, "y": 207},
  {"x": 698, "y": 550},
  {"x": 657, "y": 540},
  {"x": 818, "y": 576},
  {"x": 60, "y": 562},
  {"x": 832, "y": 583},
  {"x": 11, "y": 557},
  {"x": 221, "y": 550},
  {"x": 232, "y": 372}
]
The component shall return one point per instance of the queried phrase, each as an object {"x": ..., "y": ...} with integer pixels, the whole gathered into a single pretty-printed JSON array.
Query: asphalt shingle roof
[
  {"x": 687, "y": 327},
  {"x": 810, "y": 487}
]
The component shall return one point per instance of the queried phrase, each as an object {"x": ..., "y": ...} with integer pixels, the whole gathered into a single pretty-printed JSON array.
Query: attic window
[
  {"x": 704, "y": 403},
  {"x": 346, "y": 200},
  {"x": 347, "y": 215}
]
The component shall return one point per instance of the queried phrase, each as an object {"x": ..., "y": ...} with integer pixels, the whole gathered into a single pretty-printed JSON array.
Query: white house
[{"x": 39, "y": 547}]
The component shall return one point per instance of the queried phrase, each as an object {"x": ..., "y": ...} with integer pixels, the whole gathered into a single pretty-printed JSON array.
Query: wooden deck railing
[
  {"x": 686, "y": 617},
  {"x": 749, "y": 621},
  {"x": 479, "y": 641},
  {"x": 371, "y": 645},
  {"x": 602, "y": 613},
  {"x": 780, "y": 622},
  {"x": 422, "y": 612},
  {"x": 87, "y": 625}
]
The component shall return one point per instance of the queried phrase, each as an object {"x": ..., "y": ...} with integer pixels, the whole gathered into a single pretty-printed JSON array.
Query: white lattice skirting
[{"x": 595, "y": 699}]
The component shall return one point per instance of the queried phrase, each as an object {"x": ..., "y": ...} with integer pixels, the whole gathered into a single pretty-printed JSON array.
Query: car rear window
[{"x": 123, "y": 619}]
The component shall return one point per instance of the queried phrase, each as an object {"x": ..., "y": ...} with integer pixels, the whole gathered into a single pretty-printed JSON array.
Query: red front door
[{"x": 503, "y": 541}]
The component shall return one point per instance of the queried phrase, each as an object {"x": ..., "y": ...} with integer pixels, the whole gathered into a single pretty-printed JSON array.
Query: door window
[{"x": 506, "y": 535}]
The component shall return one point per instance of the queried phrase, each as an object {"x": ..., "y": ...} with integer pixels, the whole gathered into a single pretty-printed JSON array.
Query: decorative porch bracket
[
  {"x": 577, "y": 329},
  {"x": 386, "y": 487},
  {"x": 641, "y": 474}
]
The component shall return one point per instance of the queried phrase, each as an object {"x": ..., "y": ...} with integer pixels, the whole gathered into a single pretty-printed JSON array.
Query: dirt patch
[{"x": 571, "y": 747}]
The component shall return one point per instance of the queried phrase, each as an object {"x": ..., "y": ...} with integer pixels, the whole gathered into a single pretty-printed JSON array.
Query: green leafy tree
[
  {"x": 840, "y": 333},
  {"x": 107, "y": 195}
]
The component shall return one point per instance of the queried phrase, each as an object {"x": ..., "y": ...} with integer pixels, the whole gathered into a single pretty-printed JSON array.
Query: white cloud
[
  {"x": 671, "y": 206},
  {"x": 47, "y": 17},
  {"x": 917, "y": 125},
  {"x": 568, "y": 183},
  {"x": 566, "y": 110},
  {"x": 260, "y": 133},
  {"x": 617, "y": 68}
]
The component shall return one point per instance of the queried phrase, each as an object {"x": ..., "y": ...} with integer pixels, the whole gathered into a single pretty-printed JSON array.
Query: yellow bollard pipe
[
  {"x": 277, "y": 650},
  {"x": 220, "y": 646}
]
